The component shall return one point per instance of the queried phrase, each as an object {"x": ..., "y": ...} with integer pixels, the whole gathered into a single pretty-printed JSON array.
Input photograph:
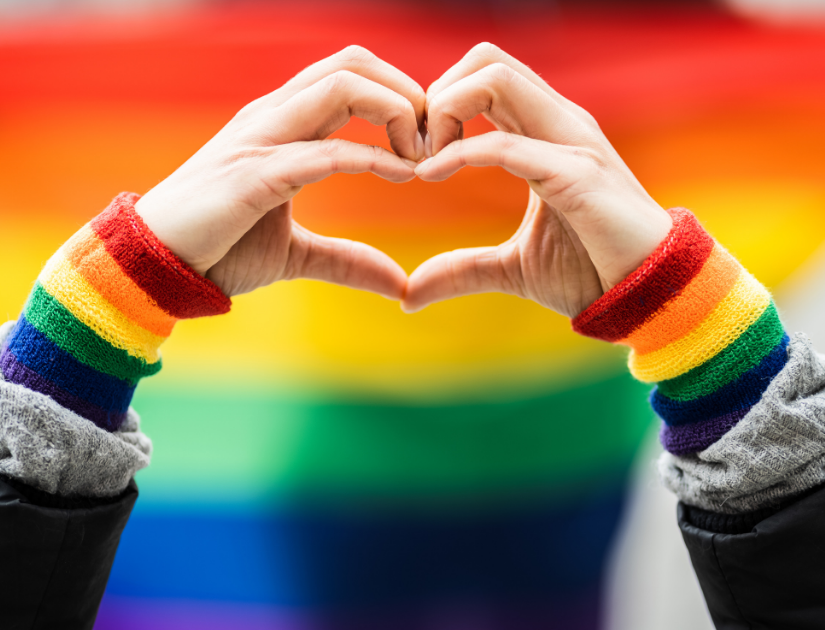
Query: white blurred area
[
  {"x": 801, "y": 299},
  {"x": 650, "y": 582},
  {"x": 780, "y": 10},
  {"x": 33, "y": 8},
  {"x": 773, "y": 10}
]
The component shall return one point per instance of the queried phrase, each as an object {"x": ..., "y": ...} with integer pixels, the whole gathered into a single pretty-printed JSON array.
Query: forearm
[
  {"x": 69, "y": 443},
  {"x": 742, "y": 416},
  {"x": 90, "y": 330},
  {"x": 743, "y": 425}
]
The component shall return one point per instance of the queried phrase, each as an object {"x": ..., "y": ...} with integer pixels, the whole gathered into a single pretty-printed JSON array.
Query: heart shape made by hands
[{"x": 588, "y": 224}]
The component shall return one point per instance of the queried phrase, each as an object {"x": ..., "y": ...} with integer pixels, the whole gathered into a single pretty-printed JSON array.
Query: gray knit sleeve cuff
[
  {"x": 51, "y": 448},
  {"x": 775, "y": 452}
]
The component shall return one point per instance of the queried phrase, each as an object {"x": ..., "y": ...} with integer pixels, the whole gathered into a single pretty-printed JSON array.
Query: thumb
[
  {"x": 341, "y": 261},
  {"x": 463, "y": 272}
]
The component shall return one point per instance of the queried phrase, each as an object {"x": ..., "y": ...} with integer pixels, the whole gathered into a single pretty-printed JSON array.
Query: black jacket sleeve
[
  {"x": 56, "y": 555},
  {"x": 761, "y": 571}
]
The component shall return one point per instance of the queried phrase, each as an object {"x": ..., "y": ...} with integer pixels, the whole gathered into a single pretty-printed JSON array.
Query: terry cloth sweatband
[
  {"x": 699, "y": 326},
  {"x": 98, "y": 313}
]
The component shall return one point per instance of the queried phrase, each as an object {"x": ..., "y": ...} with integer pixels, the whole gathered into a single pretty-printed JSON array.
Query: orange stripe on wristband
[
  {"x": 740, "y": 309},
  {"x": 687, "y": 310},
  {"x": 87, "y": 254}
]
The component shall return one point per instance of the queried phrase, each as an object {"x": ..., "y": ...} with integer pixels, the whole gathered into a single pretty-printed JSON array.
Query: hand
[
  {"x": 227, "y": 212},
  {"x": 589, "y": 223}
]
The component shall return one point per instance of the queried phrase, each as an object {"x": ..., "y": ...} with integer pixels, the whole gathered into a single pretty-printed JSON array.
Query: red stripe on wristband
[
  {"x": 660, "y": 278},
  {"x": 177, "y": 289}
]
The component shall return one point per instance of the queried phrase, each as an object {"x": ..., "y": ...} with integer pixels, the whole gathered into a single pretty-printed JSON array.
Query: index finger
[
  {"x": 485, "y": 54},
  {"x": 360, "y": 61},
  {"x": 326, "y": 106}
]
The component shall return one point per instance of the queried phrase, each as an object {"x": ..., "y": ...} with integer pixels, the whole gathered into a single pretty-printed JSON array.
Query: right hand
[
  {"x": 227, "y": 212},
  {"x": 589, "y": 222}
]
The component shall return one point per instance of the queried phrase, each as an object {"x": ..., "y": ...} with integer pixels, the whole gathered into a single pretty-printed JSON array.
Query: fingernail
[
  {"x": 411, "y": 163},
  {"x": 428, "y": 146},
  {"x": 419, "y": 145}
]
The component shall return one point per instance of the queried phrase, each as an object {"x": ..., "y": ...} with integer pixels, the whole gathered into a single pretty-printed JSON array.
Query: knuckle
[
  {"x": 250, "y": 109},
  {"x": 376, "y": 152},
  {"x": 418, "y": 93},
  {"x": 356, "y": 54},
  {"x": 591, "y": 162},
  {"x": 338, "y": 82},
  {"x": 485, "y": 50},
  {"x": 435, "y": 107},
  {"x": 404, "y": 108},
  {"x": 505, "y": 141},
  {"x": 500, "y": 73},
  {"x": 587, "y": 117},
  {"x": 331, "y": 148}
]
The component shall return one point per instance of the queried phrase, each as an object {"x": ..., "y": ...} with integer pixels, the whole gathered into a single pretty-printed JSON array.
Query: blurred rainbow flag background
[{"x": 321, "y": 459}]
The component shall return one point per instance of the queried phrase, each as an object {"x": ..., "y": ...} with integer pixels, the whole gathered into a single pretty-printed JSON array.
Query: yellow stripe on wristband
[
  {"x": 80, "y": 298},
  {"x": 745, "y": 303},
  {"x": 690, "y": 307}
]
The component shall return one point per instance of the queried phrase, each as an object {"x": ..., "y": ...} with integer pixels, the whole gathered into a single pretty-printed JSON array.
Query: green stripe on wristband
[
  {"x": 55, "y": 321},
  {"x": 742, "y": 355}
]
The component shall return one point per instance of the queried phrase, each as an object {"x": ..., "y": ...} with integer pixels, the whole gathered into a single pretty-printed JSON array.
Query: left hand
[
  {"x": 589, "y": 222},
  {"x": 227, "y": 212}
]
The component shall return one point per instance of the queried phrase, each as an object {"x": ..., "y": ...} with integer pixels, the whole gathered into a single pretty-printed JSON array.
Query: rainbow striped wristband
[
  {"x": 699, "y": 326},
  {"x": 98, "y": 313}
]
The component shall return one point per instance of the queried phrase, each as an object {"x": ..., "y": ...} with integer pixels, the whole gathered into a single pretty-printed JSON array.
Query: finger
[
  {"x": 483, "y": 55},
  {"x": 524, "y": 157},
  {"x": 326, "y": 106},
  {"x": 348, "y": 263},
  {"x": 303, "y": 163},
  {"x": 508, "y": 99},
  {"x": 462, "y": 272},
  {"x": 360, "y": 61}
]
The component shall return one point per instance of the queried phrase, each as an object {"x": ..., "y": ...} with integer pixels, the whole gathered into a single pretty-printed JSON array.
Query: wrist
[
  {"x": 99, "y": 311},
  {"x": 700, "y": 326},
  {"x": 175, "y": 235},
  {"x": 638, "y": 240}
]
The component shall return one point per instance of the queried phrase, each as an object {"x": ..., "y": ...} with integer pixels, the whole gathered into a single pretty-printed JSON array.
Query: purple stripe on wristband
[
  {"x": 692, "y": 438},
  {"x": 16, "y": 372}
]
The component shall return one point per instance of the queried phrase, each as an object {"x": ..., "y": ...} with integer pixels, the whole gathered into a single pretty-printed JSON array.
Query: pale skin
[
  {"x": 589, "y": 222},
  {"x": 227, "y": 211}
]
